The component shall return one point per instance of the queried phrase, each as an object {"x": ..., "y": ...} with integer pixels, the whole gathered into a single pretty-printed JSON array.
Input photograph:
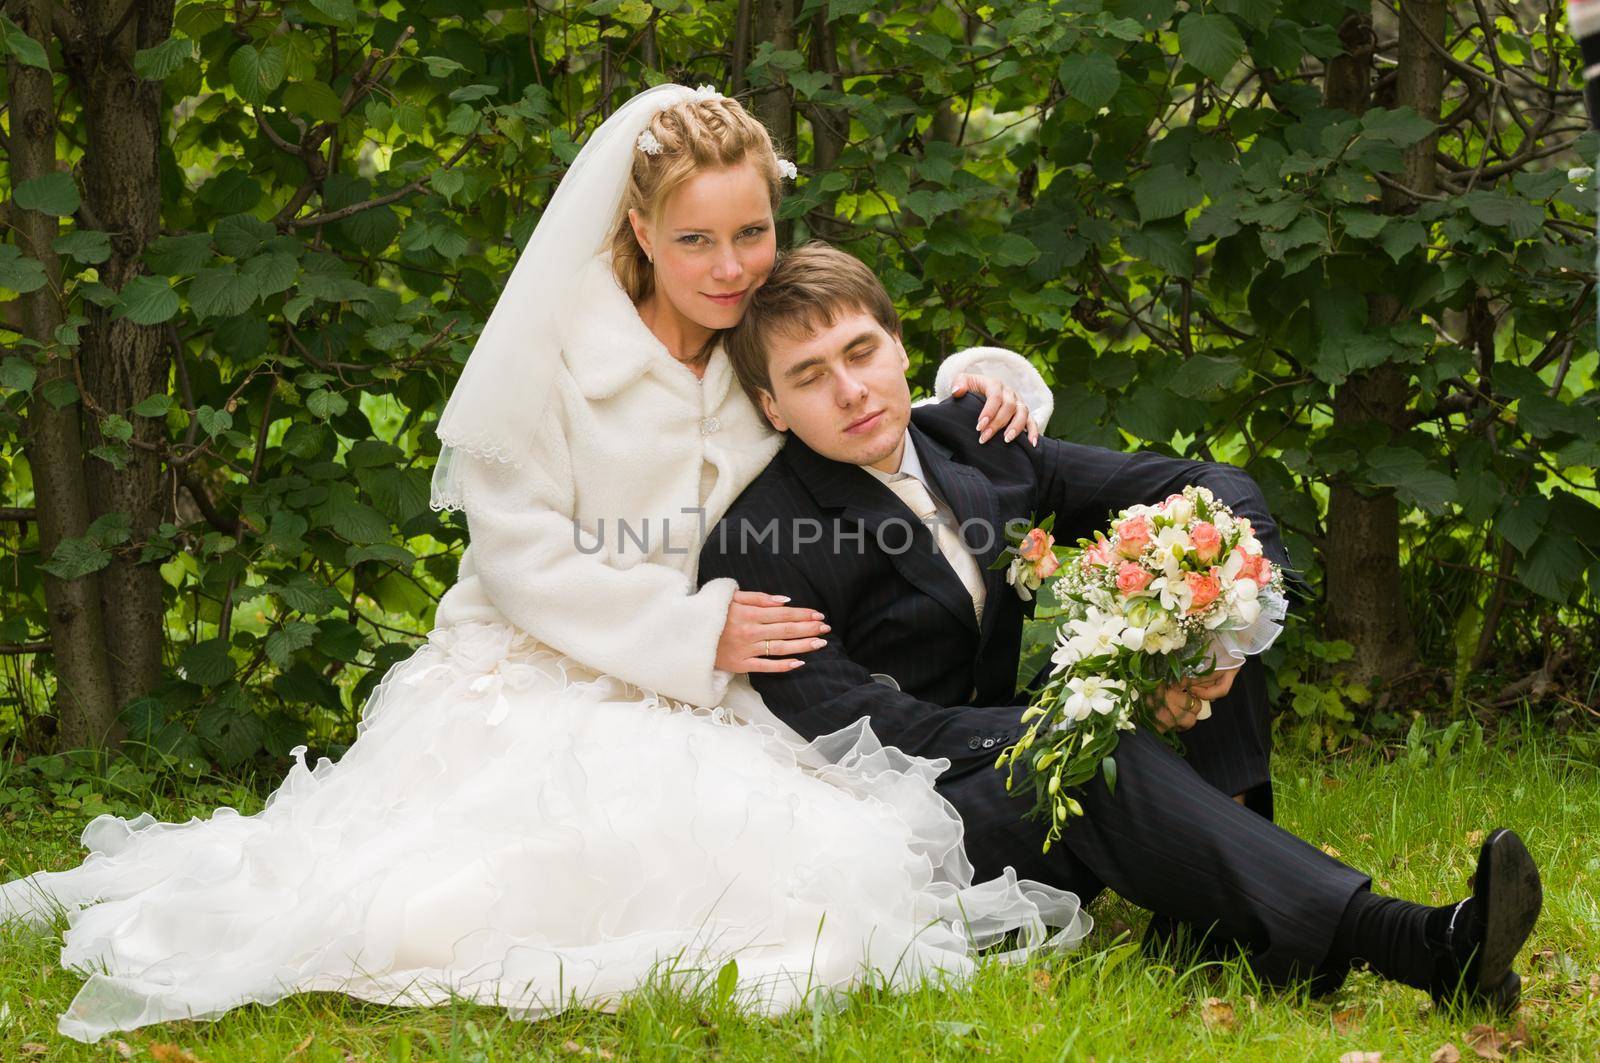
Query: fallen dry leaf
[
  {"x": 123, "y": 1049},
  {"x": 1041, "y": 980},
  {"x": 301, "y": 1047},
  {"x": 576, "y": 1049},
  {"x": 1217, "y": 1014},
  {"x": 1486, "y": 1041},
  {"x": 1446, "y": 1053},
  {"x": 1474, "y": 837},
  {"x": 1346, "y": 1020},
  {"x": 1361, "y": 1057},
  {"x": 34, "y": 1048},
  {"x": 163, "y": 1052},
  {"x": 1594, "y": 985},
  {"x": 1331, "y": 851}
]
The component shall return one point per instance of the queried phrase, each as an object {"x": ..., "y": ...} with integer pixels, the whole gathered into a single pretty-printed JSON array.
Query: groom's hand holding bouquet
[{"x": 1153, "y": 620}]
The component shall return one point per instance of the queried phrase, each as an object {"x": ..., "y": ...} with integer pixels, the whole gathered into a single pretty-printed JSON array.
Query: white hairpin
[
  {"x": 707, "y": 92},
  {"x": 787, "y": 169},
  {"x": 648, "y": 143}
]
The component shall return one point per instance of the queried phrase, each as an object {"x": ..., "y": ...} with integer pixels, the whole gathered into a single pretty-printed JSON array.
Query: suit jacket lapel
[
  {"x": 977, "y": 509},
  {"x": 836, "y": 485}
]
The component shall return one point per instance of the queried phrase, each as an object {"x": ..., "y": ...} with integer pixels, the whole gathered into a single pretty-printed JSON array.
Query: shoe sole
[{"x": 1512, "y": 898}]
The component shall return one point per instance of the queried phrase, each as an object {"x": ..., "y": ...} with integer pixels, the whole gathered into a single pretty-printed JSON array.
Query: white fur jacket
[{"x": 592, "y": 550}]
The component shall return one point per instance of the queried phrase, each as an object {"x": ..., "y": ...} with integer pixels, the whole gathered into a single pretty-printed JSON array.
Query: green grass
[{"x": 1411, "y": 823}]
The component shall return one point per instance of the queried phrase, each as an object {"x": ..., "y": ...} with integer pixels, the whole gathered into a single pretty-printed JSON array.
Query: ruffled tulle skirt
[{"x": 513, "y": 829}]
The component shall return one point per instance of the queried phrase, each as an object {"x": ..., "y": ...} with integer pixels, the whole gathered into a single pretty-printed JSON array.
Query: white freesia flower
[
  {"x": 1097, "y": 632},
  {"x": 1172, "y": 590},
  {"x": 787, "y": 169},
  {"x": 1066, "y": 654},
  {"x": 648, "y": 143},
  {"x": 1090, "y": 694},
  {"x": 1024, "y": 576},
  {"x": 1172, "y": 543},
  {"x": 1180, "y": 510},
  {"x": 1246, "y": 609},
  {"x": 707, "y": 92}
]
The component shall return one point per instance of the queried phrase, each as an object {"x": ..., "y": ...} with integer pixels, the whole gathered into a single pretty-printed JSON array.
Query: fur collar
[{"x": 607, "y": 346}]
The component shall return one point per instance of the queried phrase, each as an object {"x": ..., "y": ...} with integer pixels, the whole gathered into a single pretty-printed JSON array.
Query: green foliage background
[{"x": 1147, "y": 198}]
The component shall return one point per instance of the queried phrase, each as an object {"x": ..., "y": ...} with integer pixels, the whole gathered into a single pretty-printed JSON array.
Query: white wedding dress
[{"x": 516, "y": 830}]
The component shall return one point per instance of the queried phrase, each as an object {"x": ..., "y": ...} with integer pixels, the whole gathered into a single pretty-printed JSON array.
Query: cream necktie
[{"x": 911, "y": 491}]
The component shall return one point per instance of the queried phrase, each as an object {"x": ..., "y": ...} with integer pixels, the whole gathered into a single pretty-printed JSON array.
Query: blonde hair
[
  {"x": 807, "y": 290},
  {"x": 695, "y": 135}
]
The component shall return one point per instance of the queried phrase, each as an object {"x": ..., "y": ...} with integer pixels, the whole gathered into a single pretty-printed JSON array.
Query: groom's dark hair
[{"x": 808, "y": 289}]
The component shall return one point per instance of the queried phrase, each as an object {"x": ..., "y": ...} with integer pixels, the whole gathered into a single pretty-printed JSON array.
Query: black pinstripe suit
[{"x": 830, "y": 537}]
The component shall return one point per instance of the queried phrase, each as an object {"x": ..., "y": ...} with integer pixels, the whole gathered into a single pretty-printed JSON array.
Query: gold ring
[
  {"x": 768, "y": 651},
  {"x": 1192, "y": 705}
]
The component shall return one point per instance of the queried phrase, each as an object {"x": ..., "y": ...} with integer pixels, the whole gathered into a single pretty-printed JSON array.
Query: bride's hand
[
  {"x": 1003, "y": 408},
  {"x": 761, "y": 628}
]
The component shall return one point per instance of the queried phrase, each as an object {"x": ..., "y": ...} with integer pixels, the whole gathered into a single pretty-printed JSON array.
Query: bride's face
[{"x": 712, "y": 243}]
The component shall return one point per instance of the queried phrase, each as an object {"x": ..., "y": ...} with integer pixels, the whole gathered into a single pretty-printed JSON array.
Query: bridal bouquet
[{"x": 1176, "y": 590}]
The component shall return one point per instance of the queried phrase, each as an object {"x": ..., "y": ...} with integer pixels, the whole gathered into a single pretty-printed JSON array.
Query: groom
[{"x": 886, "y": 521}]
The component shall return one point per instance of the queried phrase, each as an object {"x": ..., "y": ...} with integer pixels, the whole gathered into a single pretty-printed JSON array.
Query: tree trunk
[
  {"x": 86, "y": 705},
  {"x": 124, "y": 363},
  {"x": 739, "y": 57},
  {"x": 1366, "y": 606},
  {"x": 830, "y": 126},
  {"x": 774, "y": 105}
]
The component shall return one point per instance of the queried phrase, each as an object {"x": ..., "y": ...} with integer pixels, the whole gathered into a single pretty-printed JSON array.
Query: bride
[{"x": 571, "y": 789}]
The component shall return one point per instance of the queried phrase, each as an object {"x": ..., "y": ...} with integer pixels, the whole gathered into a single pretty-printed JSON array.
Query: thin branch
[
  {"x": 216, "y": 518},
  {"x": 383, "y": 200},
  {"x": 15, "y": 649},
  {"x": 18, "y": 514}
]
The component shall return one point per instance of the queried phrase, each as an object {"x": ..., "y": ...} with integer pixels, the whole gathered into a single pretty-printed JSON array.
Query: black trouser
[{"x": 1169, "y": 840}]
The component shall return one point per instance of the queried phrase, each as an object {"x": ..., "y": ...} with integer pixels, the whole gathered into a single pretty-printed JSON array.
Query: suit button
[
  {"x": 988, "y": 742},
  {"x": 974, "y": 744}
]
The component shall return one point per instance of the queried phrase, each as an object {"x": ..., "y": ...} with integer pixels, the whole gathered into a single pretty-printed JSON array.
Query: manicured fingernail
[
  {"x": 781, "y": 597},
  {"x": 795, "y": 664},
  {"x": 982, "y": 423},
  {"x": 1011, "y": 435},
  {"x": 817, "y": 644},
  {"x": 826, "y": 628},
  {"x": 818, "y": 616}
]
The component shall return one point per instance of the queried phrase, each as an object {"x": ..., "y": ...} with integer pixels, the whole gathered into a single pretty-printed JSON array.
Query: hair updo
[{"x": 695, "y": 135}]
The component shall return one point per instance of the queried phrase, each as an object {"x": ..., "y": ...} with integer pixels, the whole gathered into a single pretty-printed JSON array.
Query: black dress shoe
[{"x": 1475, "y": 948}]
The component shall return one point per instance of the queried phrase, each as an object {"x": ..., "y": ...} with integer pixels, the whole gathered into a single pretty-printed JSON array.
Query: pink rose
[
  {"x": 1035, "y": 545},
  {"x": 1046, "y": 566},
  {"x": 1165, "y": 502},
  {"x": 1133, "y": 536},
  {"x": 1132, "y": 578},
  {"x": 1097, "y": 553},
  {"x": 1203, "y": 588},
  {"x": 1207, "y": 541},
  {"x": 1254, "y": 566}
]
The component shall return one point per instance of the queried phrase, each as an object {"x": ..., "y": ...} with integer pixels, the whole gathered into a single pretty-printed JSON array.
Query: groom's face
[{"x": 842, "y": 389}]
